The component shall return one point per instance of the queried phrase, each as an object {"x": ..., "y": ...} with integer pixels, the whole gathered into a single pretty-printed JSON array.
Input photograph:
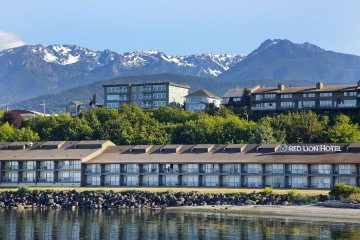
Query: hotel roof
[{"x": 332, "y": 88}]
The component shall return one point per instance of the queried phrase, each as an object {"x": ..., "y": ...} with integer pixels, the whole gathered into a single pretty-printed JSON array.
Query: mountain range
[
  {"x": 61, "y": 73},
  {"x": 33, "y": 70}
]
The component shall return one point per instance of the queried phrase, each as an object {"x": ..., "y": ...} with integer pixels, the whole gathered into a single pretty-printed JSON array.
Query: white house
[{"x": 200, "y": 100}]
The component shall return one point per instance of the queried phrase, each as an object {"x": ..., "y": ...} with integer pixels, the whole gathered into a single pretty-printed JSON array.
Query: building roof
[
  {"x": 145, "y": 83},
  {"x": 106, "y": 152},
  {"x": 202, "y": 93},
  {"x": 76, "y": 103},
  {"x": 234, "y": 92},
  {"x": 332, "y": 88}
]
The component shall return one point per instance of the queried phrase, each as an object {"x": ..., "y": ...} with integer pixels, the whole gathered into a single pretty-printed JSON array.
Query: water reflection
[{"x": 156, "y": 224}]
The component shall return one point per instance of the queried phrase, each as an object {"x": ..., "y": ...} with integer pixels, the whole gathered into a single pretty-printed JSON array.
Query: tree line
[{"x": 132, "y": 125}]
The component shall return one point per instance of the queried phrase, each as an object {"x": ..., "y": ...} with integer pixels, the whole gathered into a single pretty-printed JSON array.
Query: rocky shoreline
[{"x": 52, "y": 199}]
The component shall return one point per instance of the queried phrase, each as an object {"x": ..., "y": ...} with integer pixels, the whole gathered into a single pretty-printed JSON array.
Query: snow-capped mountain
[{"x": 31, "y": 70}]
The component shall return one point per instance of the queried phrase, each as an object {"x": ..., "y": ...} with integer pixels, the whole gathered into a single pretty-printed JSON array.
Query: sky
[{"x": 180, "y": 27}]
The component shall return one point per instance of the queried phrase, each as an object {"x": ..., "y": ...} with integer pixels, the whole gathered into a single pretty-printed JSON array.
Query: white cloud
[{"x": 9, "y": 40}]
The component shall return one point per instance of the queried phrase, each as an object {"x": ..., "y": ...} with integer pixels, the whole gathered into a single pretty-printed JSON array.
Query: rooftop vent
[
  {"x": 234, "y": 147},
  {"x": 202, "y": 148},
  {"x": 170, "y": 148},
  {"x": 141, "y": 149}
]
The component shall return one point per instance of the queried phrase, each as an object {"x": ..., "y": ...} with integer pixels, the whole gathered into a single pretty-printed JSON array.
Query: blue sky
[{"x": 181, "y": 27}]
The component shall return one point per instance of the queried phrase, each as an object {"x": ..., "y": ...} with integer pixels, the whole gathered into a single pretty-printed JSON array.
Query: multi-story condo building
[
  {"x": 102, "y": 163},
  {"x": 145, "y": 95},
  {"x": 232, "y": 98},
  {"x": 335, "y": 97}
]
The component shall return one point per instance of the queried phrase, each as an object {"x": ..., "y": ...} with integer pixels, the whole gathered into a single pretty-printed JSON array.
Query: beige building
[
  {"x": 334, "y": 97},
  {"x": 101, "y": 163},
  {"x": 145, "y": 95}
]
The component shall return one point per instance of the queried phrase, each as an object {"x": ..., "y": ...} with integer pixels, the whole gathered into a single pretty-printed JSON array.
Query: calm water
[{"x": 156, "y": 224}]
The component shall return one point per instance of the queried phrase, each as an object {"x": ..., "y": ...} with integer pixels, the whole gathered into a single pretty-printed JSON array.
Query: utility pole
[
  {"x": 34, "y": 114},
  {"x": 43, "y": 104}
]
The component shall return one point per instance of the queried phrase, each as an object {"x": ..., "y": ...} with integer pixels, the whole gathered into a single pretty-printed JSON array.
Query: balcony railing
[
  {"x": 231, "y": 171},
  {"x": 131, "y": 171},
  {"x": 297, "y": 171},
  {"x": 275, "y": 171},
  {"x": 297, "y": 185},
  {"x": 253, "y": 185},
  {"x": 68, "y": 167},
  {"x": 226, "y": 184},
  {"x": 154, "y": 170},
  {"x": 44, "y": 180},
  {"x": 112, "y": 171},
  {"x": 210, "y": 171},
  {"x": 111, "y": 184},
  {"x": 169, "y": 171},
  {"x": 346, "y": 105},
  {"x": 68, "y": 180},
  {"x": 190, "y": 171},
  {"x": 321, "y": 185},
  {"x": 276, "y": 185},
  {"x": 28, "y": 168},
  {"x": 131, "y": 184},
  {"x": 150, "y": 184},
  {"x": 314, "y": 171},
  {"x": 28, "y": 180},
  {"x": 11, "y": 167},
  {"x": 9, "y": 180},
  {"x": 353, "y": 172},
  {"x": 256, "y": 171},
  {"x": 190, "y": 184},
  {"x": 92, "y": 171},
  {"x": 46, "y": 167},
  {"x": 210, "y": 185},
  {"x": 263, "y": 108}
]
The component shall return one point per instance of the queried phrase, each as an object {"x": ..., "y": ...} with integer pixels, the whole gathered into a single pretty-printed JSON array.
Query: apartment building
[
  {"x": 145, "y": 95},
  {"x": 102, "y": 163},
  {"x": 321, "y": 97},
  {"x": 232, "y": 98}
]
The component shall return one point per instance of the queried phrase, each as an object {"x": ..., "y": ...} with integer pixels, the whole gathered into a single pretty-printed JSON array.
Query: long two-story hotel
[{"x": 102, "y": 163}]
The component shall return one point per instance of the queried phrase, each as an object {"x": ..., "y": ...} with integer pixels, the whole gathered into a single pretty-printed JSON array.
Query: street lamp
[{"x": 34, "y": 114}]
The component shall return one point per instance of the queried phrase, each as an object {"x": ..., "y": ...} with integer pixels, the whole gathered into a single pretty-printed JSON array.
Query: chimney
[
  {"x": 281, "y": 86},
  {"x": 358, "y": 83},
  {"x": 319, "y": 85}
]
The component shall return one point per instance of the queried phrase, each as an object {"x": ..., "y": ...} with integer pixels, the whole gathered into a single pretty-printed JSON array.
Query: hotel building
[
  {"x": 319, "y": 97},
  {"x": 145, "y": 95},
  {"x": 102, "y": 163}
]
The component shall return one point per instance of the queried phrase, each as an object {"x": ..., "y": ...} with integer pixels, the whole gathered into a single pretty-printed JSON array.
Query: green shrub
[
  {"x": 293, "y": 192},
  {"x": 342, "y": 190},
  {"x": 302, "y": 199},
  {"x": 22, "y": 191},
  {"x": 268, "y": 190},
  {"x": 352, "y": 198}
]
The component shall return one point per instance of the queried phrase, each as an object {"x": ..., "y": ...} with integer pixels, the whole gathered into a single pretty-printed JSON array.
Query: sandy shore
[{"x": 305, "y": 211}]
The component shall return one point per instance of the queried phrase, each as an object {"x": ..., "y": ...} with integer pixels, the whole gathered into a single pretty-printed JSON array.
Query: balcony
[
  {"x": 154, "y": 170},
  {"x": 112, "y": 171},
  {"x": 32, "y": 168},
  {"x": 108, "y": 184},
  {"x": 253, "y": 171},
  {"x": 169, "y": 171},
  {"x": 93, "y": 171},
  {"x": 68, "y": 167},
  {"x": 93, "y": 184},
  {"x": 231, "y": 171},
  {"x": 227, "y": 184},
  {"x": 131, "y": 171},
  {"x": 263, "y": 108},
  {"x": 46, "y": 168},
  {"x": 321, "y": 185},
  {"x": 132, "y": 184},
  {"x": 210, "y": 185},
  {"x": 275, "y": 171},
  {"x": 190, "y": 184},
  {"x": 252, "y": 185},
  {"x": 297, "y": 171},
  {"x": 210, "y": 171},
  {"x": 11, "y": 167},
  {"x": 150, "y": 184},
  {"x": 28, "y": 180},
  {"x": 190, "y": 171},
  {"x": 10, "y": 180},
  {"x": 320, "y": 172},
  {"x": 276, "y": 185},
  {"x": 67, "y": 180},
  {"x": 297, "y": 185},
  {"x": 346, "y": 172},
  {"x": 45, "y": 180},
  {"x": 346, "y": 105}
]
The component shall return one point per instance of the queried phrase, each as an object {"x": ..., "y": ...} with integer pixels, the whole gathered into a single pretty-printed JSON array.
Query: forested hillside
[{"x": 132, "y": 125}]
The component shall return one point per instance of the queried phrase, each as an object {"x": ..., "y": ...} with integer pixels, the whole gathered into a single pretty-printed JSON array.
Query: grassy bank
[{"x": 164, "y": 189}]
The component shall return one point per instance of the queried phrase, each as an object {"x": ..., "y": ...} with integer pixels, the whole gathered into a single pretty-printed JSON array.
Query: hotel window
[
  {"x": 232, "y": 182},
  {"x": 269, "y": 96},
  {"x": 123, "y": 89},
  {"x": 131, "y": 180},
  {"x": 30, "y": 165},
  {"x": 348, "y": 103},
  {"x": 308, "y": 95},
  {"x": 191, "y": 168},
  {"x": 253, "y": 168},
  {"x": 253, "y": 182},
  {"x": 29, "y": 177},
  {"x": 47, "y": 165},
  {"x": 114, "y": 181},
  {"x": 159, "y": 103},
  {"x": 12, "y": 177},
  {"x": 113, "y": 97},
  {"x": 112, "y": 105},
  {"x": 211, "y": 168},
  {"x": 326, "y": 94},
  {"x": 113, "y": 89},
  {"x": 192, "y": 181},
  {"x": 349, "y": 94},
  {"x": 237, "y": 99},
  {"x": 288, "y": 95},
  {"x": 298, "y": 168},
  {"x": 151, "y": 180},
  {"x": 258, "y": 96},
  {"x": 123, "y": 98},
  {"x": 278, "y": 168},
  {"x": 287, "y": 104},
  {"x": 131, "y": 168},
  {"x": 159, "y": 95},
  {"x": 298, "y": 182},
  {"x": 159, "y": 88},
  {"x": 307, "y": 104},
  {"x": 95, "y": 181},
  {"x": 170, "y": 181},
  {"x": 345, "y": 169},
  {"x": 211, "y": 181},
  {"x": 321, "y": 169},
  {"x": 327, "y": 103},
  {"x": 12, "y": 165}
]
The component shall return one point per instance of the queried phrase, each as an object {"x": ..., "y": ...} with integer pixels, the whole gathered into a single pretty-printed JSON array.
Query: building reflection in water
[{"x": 160, "y": 224}]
